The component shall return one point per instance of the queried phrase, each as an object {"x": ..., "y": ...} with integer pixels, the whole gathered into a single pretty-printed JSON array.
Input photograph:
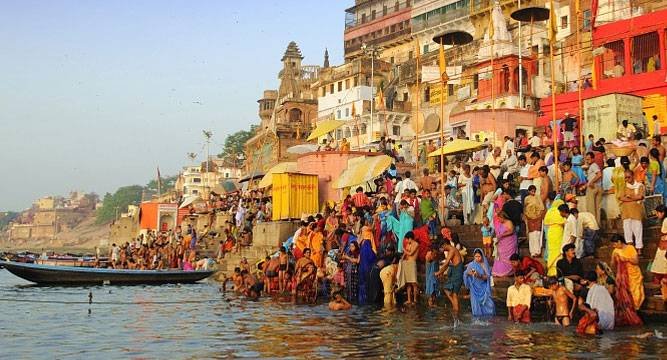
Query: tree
[
  {"x": 235, "y": 142},
  {"x": 168, "y": 183},
  {"x": 124, "y": 196}
]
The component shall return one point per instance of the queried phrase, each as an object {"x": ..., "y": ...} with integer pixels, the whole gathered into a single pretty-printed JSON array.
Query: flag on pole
[
  {"x": 354, "y": 111},
  {"x": 492, "y": 30},
  {"x": 443, "y": 64},
  {"x": 417, "y": 49},
  {"x": 380, "y": 100},
  {"x": 553, "y": 29}
]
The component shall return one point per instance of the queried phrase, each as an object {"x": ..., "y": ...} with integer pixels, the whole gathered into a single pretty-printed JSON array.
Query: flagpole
[
  {"x": 442, "y": 129},
  {"x": 554, "y": 132},
  {"x": 417, "y": 98}
]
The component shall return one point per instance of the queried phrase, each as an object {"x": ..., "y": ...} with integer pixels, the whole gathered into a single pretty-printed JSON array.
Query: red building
[{"x": 629, "y": 57}]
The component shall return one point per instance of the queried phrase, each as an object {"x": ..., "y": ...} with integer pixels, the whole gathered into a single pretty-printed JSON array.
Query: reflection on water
[{"x": 153, "y": 322}]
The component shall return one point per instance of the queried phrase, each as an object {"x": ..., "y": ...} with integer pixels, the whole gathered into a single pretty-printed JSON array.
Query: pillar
[
  {"x": 661, "y": 42},
  {"x": 627, "y": 53}
]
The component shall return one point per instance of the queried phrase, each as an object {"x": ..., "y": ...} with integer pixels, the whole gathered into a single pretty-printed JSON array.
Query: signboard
[
  {"x": 432, "y": 74},
  {"x": 435, "y": 93}
]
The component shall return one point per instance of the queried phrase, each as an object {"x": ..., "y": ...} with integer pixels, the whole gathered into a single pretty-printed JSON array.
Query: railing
[
  {"x": 422, "y": 24},
  {"x": 379, "y": 40}
]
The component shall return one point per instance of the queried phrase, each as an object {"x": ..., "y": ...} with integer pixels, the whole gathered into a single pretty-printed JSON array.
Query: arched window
[{"x": 295, "y": 115}]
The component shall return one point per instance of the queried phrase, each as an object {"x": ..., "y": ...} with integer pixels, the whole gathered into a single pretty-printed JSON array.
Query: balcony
[
  {"x": 432, "y": 21},
  {"x": 397, "y": 36},
  {"x": 352, "y": 20}
]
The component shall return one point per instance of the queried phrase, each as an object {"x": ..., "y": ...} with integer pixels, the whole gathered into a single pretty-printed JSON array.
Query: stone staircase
[{"x": 654, "y": 306}]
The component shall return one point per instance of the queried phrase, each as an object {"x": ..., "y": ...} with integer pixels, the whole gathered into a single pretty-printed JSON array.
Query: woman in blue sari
[
  {"x": 366, "y": 261},
  {"x": 477, "y": 278}
]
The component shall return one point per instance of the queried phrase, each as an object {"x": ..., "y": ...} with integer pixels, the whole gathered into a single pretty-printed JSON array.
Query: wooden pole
[
  {"x": 417, "y": 98},
  {"x": 554, "y": 131},
  {"x": 582, "y": 135},
  {"x": 442, "y": 138}
]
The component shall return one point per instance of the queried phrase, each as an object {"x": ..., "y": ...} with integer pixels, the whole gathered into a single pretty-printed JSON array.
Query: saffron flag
[
  {"x": 417, "y": 50},
  {"x": 354, "y": 111},
  {"x": 443, "y": 64},
  {"x": 492, "y": 30},
  {"x": 553, "y": 29}
]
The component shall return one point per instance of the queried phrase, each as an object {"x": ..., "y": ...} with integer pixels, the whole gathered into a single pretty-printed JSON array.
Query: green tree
[
  {"x": 235, "y": 142},
  {"x": 124, "y": 196},
  {"x": 168, "y": 183}
]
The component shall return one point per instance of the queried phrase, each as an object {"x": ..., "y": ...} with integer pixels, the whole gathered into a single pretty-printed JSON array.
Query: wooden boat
[{"x": 75, "y": 275}]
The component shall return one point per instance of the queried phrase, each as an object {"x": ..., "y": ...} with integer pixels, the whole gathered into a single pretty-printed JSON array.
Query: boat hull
[{"x": 70, "y": 275}]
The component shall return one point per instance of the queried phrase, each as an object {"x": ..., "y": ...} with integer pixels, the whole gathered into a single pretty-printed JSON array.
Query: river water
[{"x": 197, "y": 321}]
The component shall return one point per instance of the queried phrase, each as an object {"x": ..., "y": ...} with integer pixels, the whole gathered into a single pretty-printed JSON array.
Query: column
[
  {"x": 661, "y": 41},
  {"x": 627, "y": 53}
]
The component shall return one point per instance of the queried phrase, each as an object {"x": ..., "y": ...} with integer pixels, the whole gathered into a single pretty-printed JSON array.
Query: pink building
[
  {"x": 328, "y": 165},
  {"x": 506, "y": 123}
]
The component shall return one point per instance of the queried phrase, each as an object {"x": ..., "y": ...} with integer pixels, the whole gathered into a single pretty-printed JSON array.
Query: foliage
[
  {"x": 124, "y": 196},
  {"x": 168, "y": 183},
  {"x": 6, "y": 218},
  {"x": 235, "y": 142}
]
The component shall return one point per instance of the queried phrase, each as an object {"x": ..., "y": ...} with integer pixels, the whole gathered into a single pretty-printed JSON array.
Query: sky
[{"x": 95, "y": 95}]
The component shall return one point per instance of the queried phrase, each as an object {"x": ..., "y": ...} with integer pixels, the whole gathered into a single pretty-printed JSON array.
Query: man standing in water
[
  {"x": 409, "y": 267},
  {"x": 561, "y": 296},
  {"x": 454, "y": 267}
]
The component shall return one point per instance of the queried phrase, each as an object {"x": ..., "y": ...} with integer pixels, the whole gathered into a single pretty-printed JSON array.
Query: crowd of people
[{"x": 394, "y": 243}]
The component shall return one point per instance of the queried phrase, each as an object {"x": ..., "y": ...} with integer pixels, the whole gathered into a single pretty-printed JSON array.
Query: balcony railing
[
  {"x": 419, "y": 24},
  {"x": 378, "y": 40},
  {"x": 352, "y": 19}
]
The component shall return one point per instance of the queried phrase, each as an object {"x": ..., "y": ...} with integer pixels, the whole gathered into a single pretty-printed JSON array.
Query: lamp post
[
  {"x": 452, "y": 38},
  {"x": 371, "y": 51}
]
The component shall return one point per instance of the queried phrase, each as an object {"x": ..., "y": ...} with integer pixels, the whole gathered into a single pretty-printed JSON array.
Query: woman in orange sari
[
  {"x": 629, "y": 294},
  {"x": 316, "y": 244}
]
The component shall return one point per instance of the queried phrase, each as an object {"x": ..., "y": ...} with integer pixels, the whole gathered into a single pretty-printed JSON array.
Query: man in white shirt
[
  {"x": 508, "y": 145},
  {"x": 588, "y": 228},
  {"x": 493, "y": 160},
  {"x": 523, "y": 176},
  {"x": 535, "y": 141},
  {"x": 570, "y": 231},
  {"x": 510, "y": 165},
  {"x": 518, "y": 300},
  {"x": 405, "y": 184}
]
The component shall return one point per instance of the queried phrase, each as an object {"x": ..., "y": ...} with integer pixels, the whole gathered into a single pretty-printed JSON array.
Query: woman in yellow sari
[
  {"x": 625, "y": 259},
  {"x": 316, "y": 239},
  {"x": 554, "y": 223}
]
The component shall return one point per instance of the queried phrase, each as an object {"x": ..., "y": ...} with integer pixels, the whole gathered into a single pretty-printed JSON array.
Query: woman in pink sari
[{"x": 507, "y": 246}]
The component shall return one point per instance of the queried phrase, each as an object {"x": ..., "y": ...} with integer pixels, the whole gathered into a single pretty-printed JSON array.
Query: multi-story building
[
  {"x": 286, "y": 115},
  {"x": 627, "y": 56},
  {"x": 344, "y": 93}
]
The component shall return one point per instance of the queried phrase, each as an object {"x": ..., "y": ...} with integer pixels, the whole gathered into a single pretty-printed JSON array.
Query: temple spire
[{"x": 326, "y": 58}]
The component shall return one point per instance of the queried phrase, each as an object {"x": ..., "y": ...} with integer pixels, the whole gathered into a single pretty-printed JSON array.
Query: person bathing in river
[
  {"x": 561, "y": 297},
  {"x": 339, "y": 303},
  {"x": 453, "y": 265}
]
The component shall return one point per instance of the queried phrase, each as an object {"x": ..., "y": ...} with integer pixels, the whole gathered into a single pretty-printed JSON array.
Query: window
[
  {"x": 393, "y": 28},
  {"x": 363, "y": 129},
  {"x": 396, "y": 6},
  {"x": 427, "y": 94},
  {"x": 356, "y": 81},
  {"x": 331, "y": 88},
  {"x": 347, "y": 84},
  {"x": 475, "y": 81},
  {"x": 324, "y": 91},
  {"x": 391, "y": 60},
  {"x": 340, "y": 86},
  {"x": 195, "y": 192},
  {"x": 587, "y": 20},
  {"x": 563, "y": 22},
  {"x": 411, "y": 54},
  {"x": 405, "y": 96},
  {"x": 613, "y": 59},
  {"x": 363, "y": 18},
  {"x": 294, "y": 115},
  {"x": 425, "y": 49},
  {"x": 339, "y": 134},
  {"x": 407, "y": 3},
  {"x": 373, "y": 15},
  {"x": 347, "y": 112},
  {"x": 396, "y": 130},
  {"x": 450, "y": 89},
  {"x": 347, "y": 133},
  {"x": 645, "y": 50},
  {"x": 196, "y": 180},
  {"x": 384, "y": 10},
  {"x": 355, "y": 131},
  {"x": 338, "y": 114}
]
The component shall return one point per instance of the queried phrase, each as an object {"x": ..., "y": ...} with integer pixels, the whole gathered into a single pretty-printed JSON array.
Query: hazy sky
[{"x": 96, "y": 94}]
